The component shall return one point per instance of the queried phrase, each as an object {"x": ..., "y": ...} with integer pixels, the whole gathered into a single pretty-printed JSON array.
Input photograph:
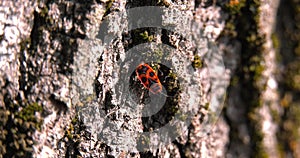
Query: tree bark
[{"x": 69, "y": 78}]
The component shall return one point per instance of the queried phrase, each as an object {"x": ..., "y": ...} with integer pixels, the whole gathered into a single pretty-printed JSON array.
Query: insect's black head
[{"x": 142, "y": 69}]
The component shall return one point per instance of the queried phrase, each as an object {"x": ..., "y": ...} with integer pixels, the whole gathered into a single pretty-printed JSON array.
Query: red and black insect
[{"x": 148, "y": 78}]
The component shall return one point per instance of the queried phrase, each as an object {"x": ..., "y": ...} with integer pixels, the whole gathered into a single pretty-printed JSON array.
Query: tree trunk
[{"x": 72, "y": 85}]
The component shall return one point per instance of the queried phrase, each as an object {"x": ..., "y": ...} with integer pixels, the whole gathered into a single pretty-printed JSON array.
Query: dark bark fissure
[
  {"x": 287, "y": 36},
  {"x": 246, "y": 24}
]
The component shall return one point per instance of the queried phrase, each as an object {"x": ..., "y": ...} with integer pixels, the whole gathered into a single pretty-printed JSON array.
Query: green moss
[
  {"x": 293, "y": 76},
  {"x": 297, "y": 49},
  {"x": 280, "y": 150},
  {"x": 183, "y": 117},
  {"x": 290, "y": 135},
  {"x": 234, "y": 10},
  {"x": 197, "y": 62},
  {"x": 294, "y": 125},
  {"x": 276, "y": 45},
  {"x": 28, "y": 113},
  {"x": 229, "y": 29},
  {"x": 72, "y": 137},
  {"x": 257, "y": 136},
  {"x": 142, "y": 35},
  {"x": 276, "y": 116},
  {"x": 108, "y": 6},
  {"x": 44, "y": 12},
  {"x": 146, "y": 36},
  {"x": 25, "y": 44},
  {"x": 207, "y": 106},
  {"x": 172, "y": 109},
  {"x": 71, "y": 133},
  {"x": 275, "y": 41},
  {"x": 234, "y": 81},
  {"x": 28, "y": 116},
  {"x": 165, "y": 3},
  {"x": 257, "y": 71},
  {"x": 17, "y": 121},
  {"x": 172, "y": 75}
]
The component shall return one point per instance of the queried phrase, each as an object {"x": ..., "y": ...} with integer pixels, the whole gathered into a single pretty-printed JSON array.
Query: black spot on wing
[
  {"x": 144, "y": 79},
  {"x": 151, "y": 74}
]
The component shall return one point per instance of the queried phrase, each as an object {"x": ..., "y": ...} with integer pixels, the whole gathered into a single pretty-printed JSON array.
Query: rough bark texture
[{"x": 41, "y": 48}]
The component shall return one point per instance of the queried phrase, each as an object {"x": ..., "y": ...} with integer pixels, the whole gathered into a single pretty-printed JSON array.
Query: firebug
[{"x": 149, "y": 78}]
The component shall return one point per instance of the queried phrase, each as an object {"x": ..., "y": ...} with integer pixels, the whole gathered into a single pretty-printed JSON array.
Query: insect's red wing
[{"x": 148, "y": 78}]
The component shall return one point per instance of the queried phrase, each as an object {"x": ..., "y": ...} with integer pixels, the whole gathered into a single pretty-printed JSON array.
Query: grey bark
[{"x": 42, "y": 43}]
